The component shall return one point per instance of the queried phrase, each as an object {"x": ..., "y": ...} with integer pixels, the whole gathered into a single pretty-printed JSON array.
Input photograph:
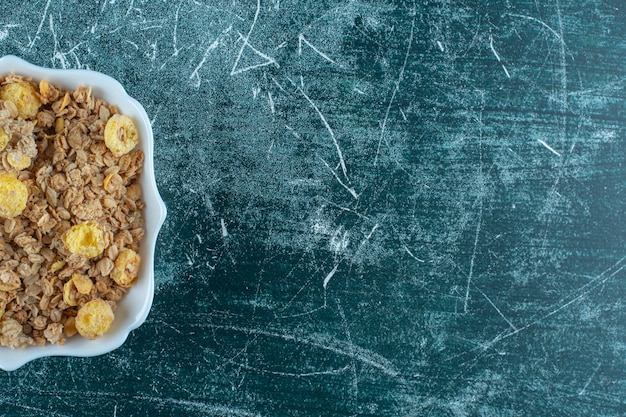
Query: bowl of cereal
[{"x": 79, "y": 213}]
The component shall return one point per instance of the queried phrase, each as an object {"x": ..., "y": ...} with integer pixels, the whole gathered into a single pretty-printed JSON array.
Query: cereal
[
  {"x": 24, "y": 96},
  {"x": 120, "y": 134},
  {"x": 82, "y": 283},
  {"x": 9, "y": 280},
  {"x": 13, "y": 196},
  {"x": 85, "y": 239},
  {"x": 18, "y": 160},
  {"x": 69, "y": 294},
  {"x": 71, "y": 212},
  {"x": 94, "y": 318},
  {"x": 4, "y": 139},
  {"x": 126, "y": 268}
]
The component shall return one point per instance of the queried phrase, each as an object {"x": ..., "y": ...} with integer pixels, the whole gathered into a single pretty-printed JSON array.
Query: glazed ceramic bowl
[{"x": 133, "y": 309}]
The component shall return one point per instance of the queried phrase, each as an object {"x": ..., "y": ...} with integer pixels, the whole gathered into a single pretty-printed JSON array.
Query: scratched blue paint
[{"x": 378, "y": 208}]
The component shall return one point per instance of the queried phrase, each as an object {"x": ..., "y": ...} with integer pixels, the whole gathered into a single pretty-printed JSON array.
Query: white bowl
[{"x": 133, "y": 309}]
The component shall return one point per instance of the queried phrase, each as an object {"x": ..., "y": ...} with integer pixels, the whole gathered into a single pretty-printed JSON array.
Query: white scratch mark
[
  {"x": 342, "y": 162},
  {"x": 43, "y": 17},
  {"x": 301, "y": 39},
  {"x": 329, "y": 276},
  {"x": 397, "y": 87},
  {"x": 473, "y": 259},
  {"x": 403, "y": 115},
  {"x": 268, "y": 60},
  {"x": 548, "y": 147},
  {"x": 350, "y": 189},
  {"x": 175, "y": 31},
  {"x": 278, "y": 85},
  {"x": 358, "y": 91},
  {"x": 34, "y": 410},
  {"x": 355, "y": 378},
  {"x": 62, "y": 56},
  {"x": 493, "y": 49},
  {"x": 132, "y": 43},
  {"x": 506, "y": 71},
  {"x": 564, "y": 94},
  {"x": 153, "y": 55},
  {"x": 293, "y": 132},
  {"x": 369, "y": 235},
  {"x": 324, "y": 342},
  {"x": 143, "y": 28},
  {"x": 593, "y": 374},
  {"x": 584, "y": 290},
  {"x": 224, "y": 230},
  {"x": 495, "y": 53},
  {"x": 496, "y": 308},
  {"x": 289, "y": 374},
  {"x": 198, "y": 405},
  {"x": 440, "y": 45},
  {"x": 533, "y": 19},
  {"x": 411, "y": 254},
  {"x": 271, "y": 101},
  {"x": 195, "y": 76},
  {"x": 348, "y": 210}
]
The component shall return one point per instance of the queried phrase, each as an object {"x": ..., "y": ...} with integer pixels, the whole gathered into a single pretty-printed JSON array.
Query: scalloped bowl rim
[{"x": 134, "y": 307}]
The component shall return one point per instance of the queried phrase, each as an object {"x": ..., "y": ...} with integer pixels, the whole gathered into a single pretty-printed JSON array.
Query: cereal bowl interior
[{"x": 133, "y": 307}]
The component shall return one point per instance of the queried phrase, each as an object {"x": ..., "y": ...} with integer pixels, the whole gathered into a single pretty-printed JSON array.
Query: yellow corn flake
[
  {"x": 24, "y": 96},
  {"x": 107, "y": 181},
  {"x": 69, "y": 294},
  {"x": 126, "y": 268},
  {"x": 4, "y": 139},
  {"x": 13, "y": 196},
  {"x": 59, "y": 125},
  {"x": 56, "y": 266},
  {"x": 18, "y": 160},
  {"x": 94, "y": 319},
  {"x": 85, "y": 239},
  {"x": 69, "y": 327},
  {"x": 44, "y": 88},
  {"x": 82, "y": 283},
  {"x": 120, "y": 134},
  {"x": 66, "y": 101}
]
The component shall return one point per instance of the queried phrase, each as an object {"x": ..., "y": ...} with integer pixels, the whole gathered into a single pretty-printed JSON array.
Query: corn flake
[
  {"x": 126, "y": 268},
  {"x": 13, "y": 196},
  {"x": 85, "y": 239},
  {"x": 94, "y": 319},
  {"x": 82, "y": 283},
  {"x": 120, "y": 134},
  {"x": 4, "y": 139},
  {"x": 18, "y": 160},
  {"x": 24, "y": 96}
]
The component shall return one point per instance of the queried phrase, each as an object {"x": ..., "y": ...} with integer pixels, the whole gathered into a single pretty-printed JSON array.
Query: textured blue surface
[{"x": 377, "y": 208}]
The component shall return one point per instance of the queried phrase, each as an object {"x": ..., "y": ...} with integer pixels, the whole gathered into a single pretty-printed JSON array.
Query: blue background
[{"x": 376, "y": 208}]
